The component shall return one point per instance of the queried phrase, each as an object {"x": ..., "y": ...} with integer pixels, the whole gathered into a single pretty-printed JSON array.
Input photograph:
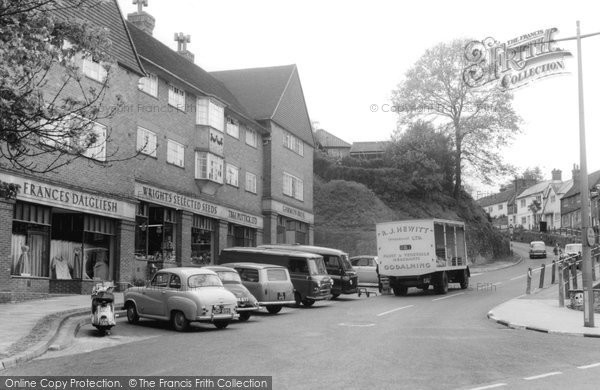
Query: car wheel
[
  {"x": 273, "y": 309},
  {"x": 400, "y": 291},
  {"x": 132, "y": 315},
  {"x": 441, "y": 285},
  {"x": 179, "y": 322},
  {"x": 221, "y": 324},
  {"x": 308, "y": 302},
  {"x": 333, "y": 296},
  {"x": 298, "y": 298},
  {"x": 244, "y": 316}
]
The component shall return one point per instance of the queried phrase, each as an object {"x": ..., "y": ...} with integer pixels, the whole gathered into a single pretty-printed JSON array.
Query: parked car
[
  {"x": 367, "y": 269},
  {"x": 537, "y": 249},
  {"x": 246, "y": 302},
  {"x": 573, "y": 250},
  {"x": 269, "y": 283},
  {"x": 182, "y": 295}
]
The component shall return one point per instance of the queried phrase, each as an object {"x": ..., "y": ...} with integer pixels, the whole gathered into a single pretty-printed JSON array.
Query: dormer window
[
  {"x": 209, "y": 113},
  {"x": 149, "y": 85},
  {"x": 94, "y": 70},
  {"x": 176, "y": 97}
]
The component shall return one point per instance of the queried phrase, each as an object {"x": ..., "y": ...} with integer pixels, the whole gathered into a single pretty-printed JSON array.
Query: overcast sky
[{"x": 351, "y": 54}]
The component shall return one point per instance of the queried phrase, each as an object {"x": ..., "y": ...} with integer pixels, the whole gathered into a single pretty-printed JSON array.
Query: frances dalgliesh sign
[{"x": 514, "y": 63}]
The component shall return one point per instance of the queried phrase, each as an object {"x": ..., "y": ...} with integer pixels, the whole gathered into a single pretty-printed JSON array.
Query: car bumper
[
  {"x": 319, "y": 297},
  {"x": 276, "y": 303},
  {"x": 210, "y": 318},
  {"x": 249, "y": 308}
]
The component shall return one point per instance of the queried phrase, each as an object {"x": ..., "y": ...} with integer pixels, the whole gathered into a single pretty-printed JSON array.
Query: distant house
[
  {"x": 551, "y": 211},
  {"x": 541, "y": 194},
  {"x": 332, "y": 145},
  {"x": 496, "y": 205},
  {"x": 368, "y": 150},
  {"x": 571, "y": 201}
]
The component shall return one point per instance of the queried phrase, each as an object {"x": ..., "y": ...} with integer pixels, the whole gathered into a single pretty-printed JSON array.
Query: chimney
[
  {"x": 556, "y": 175},
  {"x": 182, "y": 41},
  {"x": 575, "y": 172},
  {"x": 142, "y": 20}
]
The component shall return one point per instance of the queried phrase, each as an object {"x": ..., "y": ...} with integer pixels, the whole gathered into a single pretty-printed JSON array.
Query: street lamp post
[{"x": 588, "y": 296}]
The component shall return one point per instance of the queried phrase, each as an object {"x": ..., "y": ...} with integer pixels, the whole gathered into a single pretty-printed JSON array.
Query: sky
[{"x": 352, "y": 54}]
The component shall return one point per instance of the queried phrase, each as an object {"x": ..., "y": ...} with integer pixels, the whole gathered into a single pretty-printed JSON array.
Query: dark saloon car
[{"x": 246, "y": 302}]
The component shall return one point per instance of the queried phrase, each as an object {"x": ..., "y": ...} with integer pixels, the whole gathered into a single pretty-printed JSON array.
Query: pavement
[{"x": 31, "y": 328}]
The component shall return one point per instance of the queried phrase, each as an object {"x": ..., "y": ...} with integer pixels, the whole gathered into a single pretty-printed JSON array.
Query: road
[{"x": 420, "y": 341}]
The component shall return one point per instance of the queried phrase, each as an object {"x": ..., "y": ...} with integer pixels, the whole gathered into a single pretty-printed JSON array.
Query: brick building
[{"x": 219, "y": 165}]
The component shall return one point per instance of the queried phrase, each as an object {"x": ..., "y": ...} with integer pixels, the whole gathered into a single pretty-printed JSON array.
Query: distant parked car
[
  {"x": 573, "y": 250},
  {"x": 246, "y": 302},
  {"x": 182, "y": 295},
  {"x": 366, "y": 268},
  {"x": 537, "y": 249},
  {"x": 270, "y": 284}
]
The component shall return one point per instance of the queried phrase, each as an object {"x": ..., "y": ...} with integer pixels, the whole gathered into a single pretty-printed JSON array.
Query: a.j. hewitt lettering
[{"x": 70, "y": 197}]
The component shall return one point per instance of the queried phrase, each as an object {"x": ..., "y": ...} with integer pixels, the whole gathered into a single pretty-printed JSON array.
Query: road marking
[
  {"x": 393, "y": 310},
  {"x": 446, "y": 297},
  {"x": 543, "y": 376},
  {"x": 480, "y": 273},
  {"x": 490, "y": 386},
  {"x": 356, "y": 325},
  {"x": 496, "y": 284},
  {"x": 589, "y": 366},
  {"x": 518, "y": 277}
]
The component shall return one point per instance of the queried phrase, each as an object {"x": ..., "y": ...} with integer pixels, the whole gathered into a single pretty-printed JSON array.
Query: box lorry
[{"x": 422, "y": 253}]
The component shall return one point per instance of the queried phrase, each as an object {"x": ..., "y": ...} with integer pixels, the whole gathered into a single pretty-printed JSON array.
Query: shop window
[
  {"x": 202, "y": 240},
  {"x": 154, "y": 234},
  {"x": 240, "y": 236}
]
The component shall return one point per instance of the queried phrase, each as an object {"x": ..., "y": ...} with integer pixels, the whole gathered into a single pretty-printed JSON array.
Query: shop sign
[
  {"x": 195, "y": 205},
  {"x": 87, "y": 202},
  {"x": 289, "y": 211}
]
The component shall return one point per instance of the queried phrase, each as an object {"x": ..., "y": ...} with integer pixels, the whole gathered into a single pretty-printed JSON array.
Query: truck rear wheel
[
  {"x": 400, "y": 290},
  {"x": 464, "y": 283},
  {"x": 441, "y": 284}
]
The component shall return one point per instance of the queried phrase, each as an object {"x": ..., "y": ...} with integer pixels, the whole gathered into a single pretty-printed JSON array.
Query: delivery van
[{"x": 307, "y": 270}]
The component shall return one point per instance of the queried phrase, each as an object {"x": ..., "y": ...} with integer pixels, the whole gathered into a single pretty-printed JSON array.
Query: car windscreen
[
  {"x": 346, "y": 263},
  {"x": 276, "y": 275},
  {"x": 572, "y": 248},
  {"x": 229, "y": 277},
  {"x": 538, "y": 245},
  {"x": 204, "y": 280},
  {"x": 317, "y": 266}
]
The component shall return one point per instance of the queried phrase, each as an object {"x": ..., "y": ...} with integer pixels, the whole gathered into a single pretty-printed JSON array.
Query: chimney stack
[
  {"x": 142, "y": 20},
  {"x": 182, "y": 41},
  {"x": 556, "y": 175},
  {"x": 575, "y": 172}
]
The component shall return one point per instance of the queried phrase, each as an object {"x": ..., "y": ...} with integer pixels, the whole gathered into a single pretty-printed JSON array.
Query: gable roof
[
  {"x": 271, "y": 93},
  {"x": 107, "y": 14},
  {"x": 369, "y": 147},
  {"x": 493, "y": 199},
  {"x": 593, "y": 179},
  {"x": 534, "y": 189},
  {"x": 328, "y": 140},
  {"x": 155, "y": 52}
]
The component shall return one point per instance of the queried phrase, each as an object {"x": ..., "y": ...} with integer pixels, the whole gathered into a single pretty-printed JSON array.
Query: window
[
  {"x": 248, "y": 275},
  {"x": 160, "y": 280},
  {"x": 76, "y": 135},
  {"x": 210, "y": 114},
  {"x": 552, "y": 199},
  {"x": 175, "y": 153},
  {"x": 177, "y": 98},
  {"x": 293, "y": 186},
  {"x": 149, "y": 85},
  {"x": 293, "y": 143},
  {"x": 95, "y": 141},
  {"x": 146, "y": 142},
  {"x": 490, "y": 209},
  {"x": 233, "y": 129},
  {"x": 500, "y": 206},
  {"x": 276, "y": 275},
  {"x": 251, "y": 137},
  {"x": 240, "y": 236},
  {"x": 231, "y": 176},
  {"x": 251, "y": 182},
  {"x": 94, "y": 70},
  {"x": 522, "y": 202},
  {"x": 209, "y": 167}
]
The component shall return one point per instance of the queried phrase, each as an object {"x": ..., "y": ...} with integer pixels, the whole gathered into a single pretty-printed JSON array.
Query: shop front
[
  {"x": 174, "y": 229},
  {"x": 287, "y": 224},
  {"x": 63, "y": 240}
]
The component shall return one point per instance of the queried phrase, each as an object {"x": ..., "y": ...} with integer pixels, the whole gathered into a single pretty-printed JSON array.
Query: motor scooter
[{"x": 103, "y": 309}]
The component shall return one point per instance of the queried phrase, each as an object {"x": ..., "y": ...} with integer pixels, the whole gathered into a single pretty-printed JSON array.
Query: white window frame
[
  {"x": 208, "y": 113},
  {"x": 233, "y": 128},
  {"x": 232, "y": 175},
  {"x": 209, "y": 167},
  {"x": 94, "y": 70},
  {"x": 251, "y": 183},
  {"x": 149, "y": 84},
  {"x": 59, "y": 137},
  {"x": 176, "y": 97},
  {"x": 293, "y": 186},
  {"x": 251, "y": 137},
  {"x": 98, "y": 150},
  {"x": 146, "y": 141},
  {"x": 175, "y": 153},
  {"x": 293, "y": 143}
]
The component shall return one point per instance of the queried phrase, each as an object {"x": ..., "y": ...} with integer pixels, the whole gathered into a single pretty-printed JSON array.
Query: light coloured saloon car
[
  {"x": 182, "y": 295},
  {"x": 366, "y": 268}
]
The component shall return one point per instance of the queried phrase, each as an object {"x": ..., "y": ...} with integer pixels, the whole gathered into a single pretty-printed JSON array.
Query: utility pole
[{"x": 586, "y": 231}]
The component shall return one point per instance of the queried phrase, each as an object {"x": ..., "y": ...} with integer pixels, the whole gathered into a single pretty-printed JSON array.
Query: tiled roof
[
  {"x": 157, "y": 53},
  {"x": 369, "y": 147},
  {"x": 593, "y": 179},
  {"x": 534, "y": 189},
  {"x": 328, "y": 140},
  {"x": 493, "y": 199},
  {"x": 272, "y": 93},
  {"x": 107, "y": 14}
]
